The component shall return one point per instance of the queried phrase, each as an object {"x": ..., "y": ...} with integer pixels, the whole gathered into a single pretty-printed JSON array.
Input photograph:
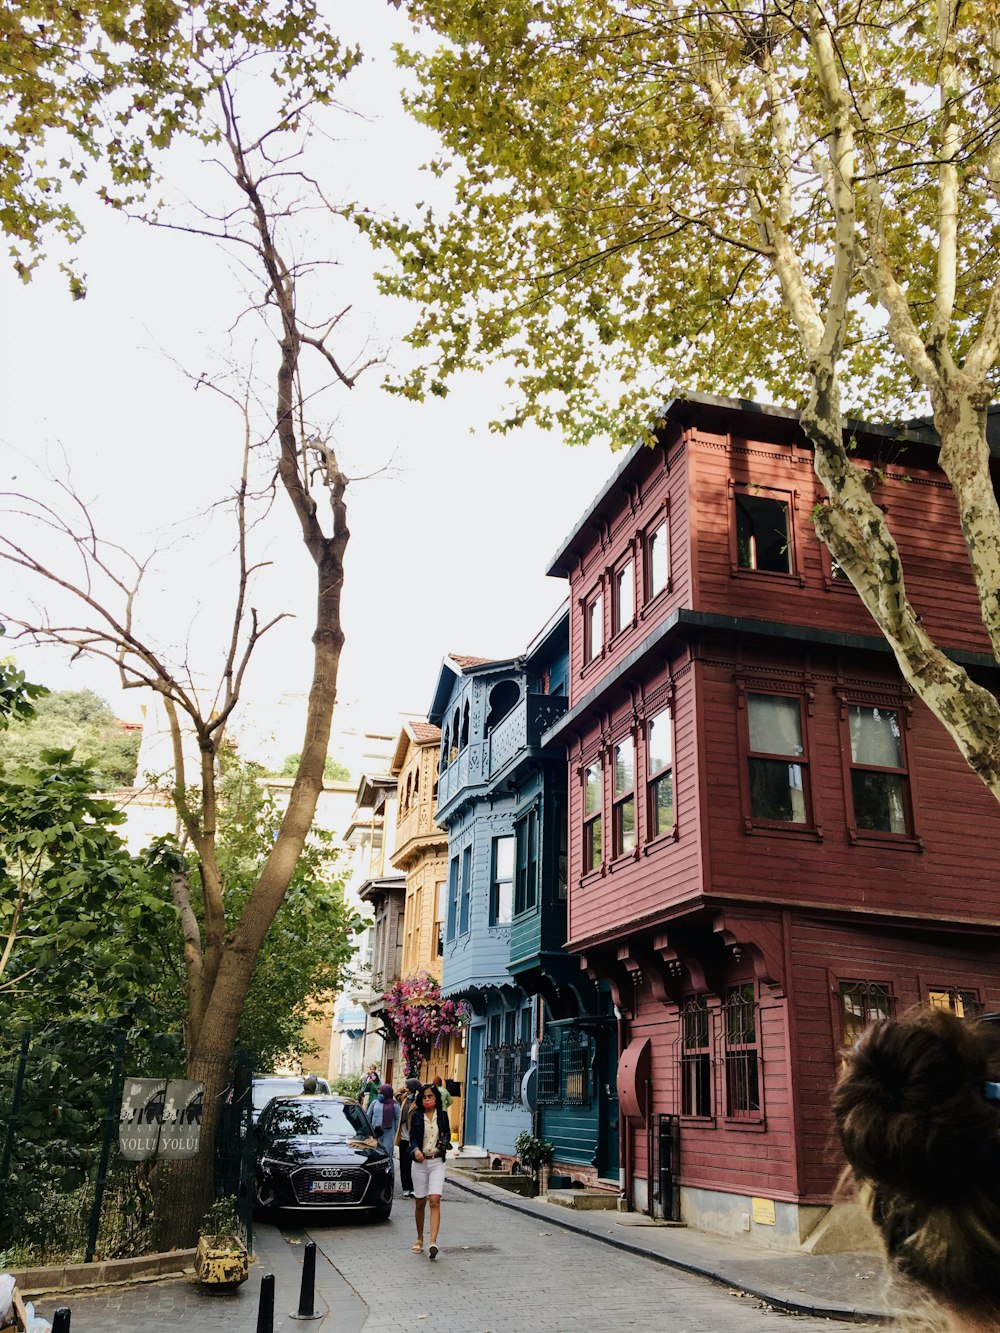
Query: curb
[
  {"x": 104, "y": 1273},
  {"x": 507, "y": 1200}
]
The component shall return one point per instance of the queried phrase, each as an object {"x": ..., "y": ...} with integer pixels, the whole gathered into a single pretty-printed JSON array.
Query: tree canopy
[
  {"x": 92, "y": 91},
  {"x": 77, "y": 720},
  {"x": 801, "y": 200}
]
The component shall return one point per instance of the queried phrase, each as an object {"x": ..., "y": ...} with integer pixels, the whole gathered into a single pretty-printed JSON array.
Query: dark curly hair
[{"x": 923, "y": 1142}]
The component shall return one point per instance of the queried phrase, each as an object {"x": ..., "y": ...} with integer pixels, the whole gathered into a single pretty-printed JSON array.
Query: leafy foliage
[
  {"x": 308, "y": 948},
  {"x": 624, "y": 181},
  {"x": 77, "y": 720},
  {"x": 91, "y": 91},
  {"x": 421, "y": 1018},
  {"x": 333, "y": 769}
]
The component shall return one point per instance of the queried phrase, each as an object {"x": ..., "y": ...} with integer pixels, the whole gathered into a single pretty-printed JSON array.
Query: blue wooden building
[{"x": 542, "y": 1038}]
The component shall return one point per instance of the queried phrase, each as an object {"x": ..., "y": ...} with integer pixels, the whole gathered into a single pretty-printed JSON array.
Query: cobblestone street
[{"x": 498, "y": 1272}]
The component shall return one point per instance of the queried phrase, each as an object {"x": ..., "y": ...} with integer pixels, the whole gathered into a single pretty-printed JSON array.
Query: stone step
[{"x": 599, "y": 1199}]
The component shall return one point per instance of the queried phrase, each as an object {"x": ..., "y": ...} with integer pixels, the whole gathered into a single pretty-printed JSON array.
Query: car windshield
[{"x": 291, "y": 1117}]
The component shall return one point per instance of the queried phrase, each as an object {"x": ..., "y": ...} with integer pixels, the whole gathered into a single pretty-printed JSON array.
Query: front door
[
  {"x": 608, "y": 1159},
  {"x": 473, "y": 1087}
]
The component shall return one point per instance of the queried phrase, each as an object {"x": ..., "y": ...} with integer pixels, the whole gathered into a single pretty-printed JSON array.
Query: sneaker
[{"x": 407, "y": 1194}]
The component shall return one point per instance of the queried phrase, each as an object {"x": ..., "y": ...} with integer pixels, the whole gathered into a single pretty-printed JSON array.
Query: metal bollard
[
  {"x": 60, "y": 1320},
  {"x": 265, "y": 1311},
  {"x": 307, "y": 1292}
]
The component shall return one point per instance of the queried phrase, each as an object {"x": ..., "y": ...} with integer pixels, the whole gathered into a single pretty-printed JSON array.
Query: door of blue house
[{"x": 473, "y": 1085}]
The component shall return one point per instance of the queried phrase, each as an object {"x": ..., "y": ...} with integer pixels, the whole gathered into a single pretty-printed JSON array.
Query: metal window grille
[
  {"x": 961, "y": 1003},
  {"x": 576, "y": 1049},
  {"x": 522, "y": 1063},
  {"x": 549, "y": 1080},
  {"x": 491, "y": 1068},
  {"x": 695, "y": 1059},
  {"x": 861, "y": 1004},
  {"x": 505, "y": 1074},
  {"x": 739, "y": 1026}
]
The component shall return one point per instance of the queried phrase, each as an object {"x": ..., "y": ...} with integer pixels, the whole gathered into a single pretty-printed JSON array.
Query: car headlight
[
  {"x": 382, "y": 1164},
  {"x": 273, "y": 1164}
]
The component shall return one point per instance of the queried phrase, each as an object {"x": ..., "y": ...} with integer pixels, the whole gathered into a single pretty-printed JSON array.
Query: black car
[{"x": 319, "y": 1152}]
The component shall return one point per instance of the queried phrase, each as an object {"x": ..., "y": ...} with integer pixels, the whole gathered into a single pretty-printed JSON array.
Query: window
[
  {"x": 592, "y": 818},
  {"x": 503, "y": 697},
  {"x": 660, "y": 773},
  {"x": 452, "y": 896},
  {"x": 777, "y": 783},
  {"x": 491, "y": 1072},
  {"x": 696, "y": 1060},
  {"x": 763, "y": 535},
  {"x": 861, "y": 1004},
  {"x": 961, "y": 1003},
  {"x": 576, "y": 1052},
  {"x": 502, "y": 881},
  {"x": 878, "y": 774},
  {"x": 440, "y": 910},
  {"x": 464, "y": 738},
  {"x": 445, "y": 751},
  {"x": 526, "y": 882},
  {"x": 657, "y": 560},
  {"x": 549, "y": 1072},
  {"x": 624, "y": 803},
  {"x": 466, "y": 891},
  {"x": 742, "y": 1056},
  {"x": 593, "y": 627},
  {"x": 455, "y": 733},
  {"x": 623, "y": 606}
]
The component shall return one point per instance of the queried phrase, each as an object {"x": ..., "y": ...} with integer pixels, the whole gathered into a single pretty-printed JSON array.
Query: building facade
[{"x": 769, "y": 833}]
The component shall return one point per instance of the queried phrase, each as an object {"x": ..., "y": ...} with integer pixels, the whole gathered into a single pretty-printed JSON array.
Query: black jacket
[{"x": 417, "y": 1125}]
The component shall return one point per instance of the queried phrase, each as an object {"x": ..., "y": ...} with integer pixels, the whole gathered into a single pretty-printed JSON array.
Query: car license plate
[{"x": 329, "y": 1187}]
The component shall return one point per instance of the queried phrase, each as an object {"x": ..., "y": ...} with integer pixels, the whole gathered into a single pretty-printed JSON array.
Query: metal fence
[{"x": 66, "y": 1192}]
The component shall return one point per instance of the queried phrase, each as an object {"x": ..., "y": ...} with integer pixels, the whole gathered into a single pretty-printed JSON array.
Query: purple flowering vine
[{"x": 421, "y": 1018}]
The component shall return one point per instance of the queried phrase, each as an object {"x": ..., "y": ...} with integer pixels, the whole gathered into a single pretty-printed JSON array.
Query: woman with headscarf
[{"x": 384, "y": 1115}]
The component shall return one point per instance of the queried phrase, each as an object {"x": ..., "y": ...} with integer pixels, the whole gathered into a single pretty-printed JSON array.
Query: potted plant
[
  {"x": 222, "y": 1261},
  {"x": 533, "y": 1153}
]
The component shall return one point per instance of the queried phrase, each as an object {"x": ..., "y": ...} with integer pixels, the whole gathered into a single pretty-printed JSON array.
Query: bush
[{"x": 348, "y": 1086}]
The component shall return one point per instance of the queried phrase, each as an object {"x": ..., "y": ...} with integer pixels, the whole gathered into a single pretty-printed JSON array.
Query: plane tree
[
  {"x": 90, "y": 594},
  {"x": 794, "y": 199}
]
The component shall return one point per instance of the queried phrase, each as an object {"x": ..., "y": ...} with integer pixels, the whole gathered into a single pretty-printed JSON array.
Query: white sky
[{"x": 98, "y": 387}]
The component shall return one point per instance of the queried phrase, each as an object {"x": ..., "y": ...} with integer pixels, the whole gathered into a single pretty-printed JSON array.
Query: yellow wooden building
[{"x": 421, "y": 853}]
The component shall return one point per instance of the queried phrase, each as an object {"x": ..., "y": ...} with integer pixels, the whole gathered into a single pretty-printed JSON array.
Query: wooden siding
[
  {"x": 656, "y": 486},
  {"x": 914, "y": 876},
  {"x": 921, "y": 512},
  {"x": 826, "y": 953},
  {"x": 665, "y": 871},
  {"x": 756, "y": 1157},
  {"x": 479, "y": 956}
]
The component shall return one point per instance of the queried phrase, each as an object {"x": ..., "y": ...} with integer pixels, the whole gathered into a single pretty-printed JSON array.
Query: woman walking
[
  {"x": 384, "y": 1116},
  {"x": 430, "y": 1139}
]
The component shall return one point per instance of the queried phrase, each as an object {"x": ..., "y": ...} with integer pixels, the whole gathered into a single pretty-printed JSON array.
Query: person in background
[
  {"x": 446, "y": 1097},
  {"x": 369, "y": 1085},
  {"x": 310, "y": 1085},
  {"x": 384, "y": 1116},
  {"x": 403, "y": 1136},
  {"x": 917, "y": 1108},
  {"x": 430, "y": 1139}
]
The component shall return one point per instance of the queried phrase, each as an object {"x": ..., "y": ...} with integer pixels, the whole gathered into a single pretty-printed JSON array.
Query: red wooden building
[{"x": 771, "y": 839}]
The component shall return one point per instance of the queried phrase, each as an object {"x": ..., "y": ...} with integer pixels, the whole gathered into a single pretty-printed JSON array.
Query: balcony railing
[{"x": 523, "y": 727}]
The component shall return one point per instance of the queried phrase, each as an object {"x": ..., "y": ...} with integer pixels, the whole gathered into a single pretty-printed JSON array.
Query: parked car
[
  {"x": 319, "y": 1152},
  {"x": 279, "y": 1085}
]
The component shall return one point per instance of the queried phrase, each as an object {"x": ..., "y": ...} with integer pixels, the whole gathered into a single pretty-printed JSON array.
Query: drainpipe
[
  {"x": 649, "y": 1152},
  {"x": 624, "y": 1128}
]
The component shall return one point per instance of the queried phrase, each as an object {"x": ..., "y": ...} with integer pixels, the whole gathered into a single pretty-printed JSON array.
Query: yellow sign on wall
[{"x": 763, "y": 1212}]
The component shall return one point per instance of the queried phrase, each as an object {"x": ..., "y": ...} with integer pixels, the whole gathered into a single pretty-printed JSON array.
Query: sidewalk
[
  {"x": 851, "y": 1287},
  {"x": 166, "y": 1304}
]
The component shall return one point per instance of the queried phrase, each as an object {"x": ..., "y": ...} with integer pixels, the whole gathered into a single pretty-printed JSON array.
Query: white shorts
[{"x": 428, "y": 1177}]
